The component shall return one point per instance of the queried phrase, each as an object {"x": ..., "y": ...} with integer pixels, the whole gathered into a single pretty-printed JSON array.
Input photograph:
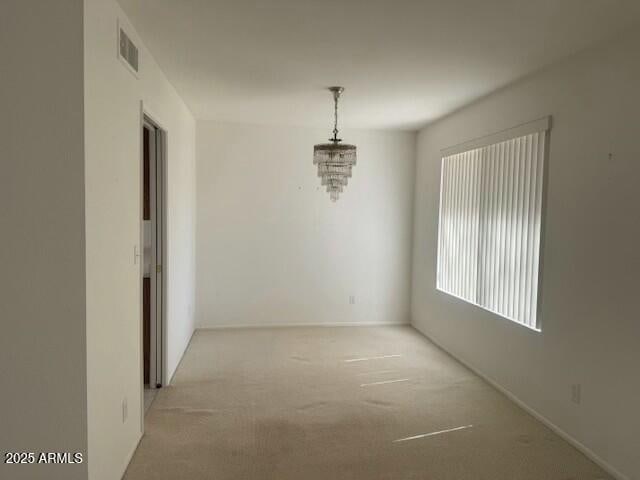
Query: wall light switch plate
[
  {"x": 576, "y": 393},
  {"x": 125, "y": 409}
]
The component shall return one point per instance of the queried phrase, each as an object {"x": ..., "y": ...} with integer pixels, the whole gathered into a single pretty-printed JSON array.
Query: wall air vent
[{"x": 127, "y": 51}]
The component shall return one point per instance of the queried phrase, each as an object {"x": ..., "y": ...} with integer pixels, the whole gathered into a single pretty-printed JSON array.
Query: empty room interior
[{"x": 304, "y": 239}]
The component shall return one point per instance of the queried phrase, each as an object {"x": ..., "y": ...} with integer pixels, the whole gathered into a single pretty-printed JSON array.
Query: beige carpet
[{"x": 340, "y": 404}]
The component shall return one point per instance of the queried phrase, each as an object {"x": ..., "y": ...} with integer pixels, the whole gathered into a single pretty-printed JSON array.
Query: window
[{"x": 491, "y": 198}]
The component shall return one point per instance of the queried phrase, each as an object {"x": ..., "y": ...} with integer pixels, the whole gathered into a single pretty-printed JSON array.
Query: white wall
[
  {"x": 590, "y": 321},
  {"x": 113, "y": 214},
  {"x": 273, "y": 249},
  {"x": 42, "y": 265}
]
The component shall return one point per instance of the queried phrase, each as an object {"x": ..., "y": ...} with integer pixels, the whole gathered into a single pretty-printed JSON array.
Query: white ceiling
[{"x": 404, "y": 63}]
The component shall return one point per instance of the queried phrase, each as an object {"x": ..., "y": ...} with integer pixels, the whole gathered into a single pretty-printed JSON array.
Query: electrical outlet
[
  {"x": 352, "y": 299},
  {"x": 125, "y": 409},
  {"x": 576, "y": 393}
]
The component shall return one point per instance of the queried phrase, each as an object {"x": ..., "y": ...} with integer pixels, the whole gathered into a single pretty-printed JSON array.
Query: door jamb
[{"x": 148, "y": 118}]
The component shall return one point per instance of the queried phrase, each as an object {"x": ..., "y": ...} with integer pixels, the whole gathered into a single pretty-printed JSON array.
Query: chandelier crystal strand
[{"x": 334, "y": 160}]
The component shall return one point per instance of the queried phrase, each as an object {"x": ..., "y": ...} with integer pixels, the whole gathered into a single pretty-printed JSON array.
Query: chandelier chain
[{"x": 335, "y": 117}]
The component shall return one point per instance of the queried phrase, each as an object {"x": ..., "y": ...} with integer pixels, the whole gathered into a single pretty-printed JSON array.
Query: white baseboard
[
  {"x": 173, "y": 374},
  {"x": 286, "y": 325},
  {"x": 131, "y": 453},
  {"x": 607, "y": 467}
]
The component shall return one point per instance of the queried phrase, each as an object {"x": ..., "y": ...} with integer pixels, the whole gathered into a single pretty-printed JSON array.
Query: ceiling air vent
[{"x": 127, "y": 51}]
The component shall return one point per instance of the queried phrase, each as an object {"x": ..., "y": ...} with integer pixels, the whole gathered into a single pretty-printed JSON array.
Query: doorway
[{"x": 153, "y": 236}]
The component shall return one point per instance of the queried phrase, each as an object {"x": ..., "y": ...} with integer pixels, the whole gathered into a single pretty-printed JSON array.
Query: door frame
[{"x": 158, "y": 328}]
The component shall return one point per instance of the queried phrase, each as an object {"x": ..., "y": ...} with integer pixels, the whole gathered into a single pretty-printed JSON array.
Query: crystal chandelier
[{"x": 334, "y": 160}]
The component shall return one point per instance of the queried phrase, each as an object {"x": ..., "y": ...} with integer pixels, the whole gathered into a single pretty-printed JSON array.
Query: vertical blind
[{"x": 490, "y": 222}]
